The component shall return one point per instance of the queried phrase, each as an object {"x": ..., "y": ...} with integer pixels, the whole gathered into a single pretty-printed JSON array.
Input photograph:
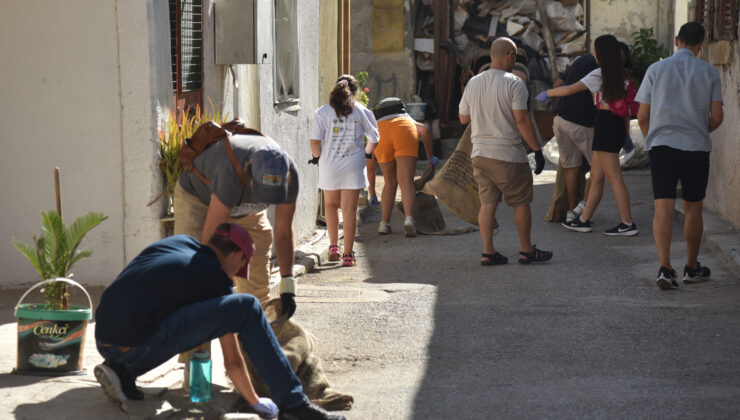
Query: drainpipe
[{"x": 344, "y": 43}]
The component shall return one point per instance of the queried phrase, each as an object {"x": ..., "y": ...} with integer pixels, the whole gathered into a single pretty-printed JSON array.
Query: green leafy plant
[
  {"x": 171, "y": 139},
  {"x": 362, "y": 78},
  {"x": 644, "y": 51},
  {"x": 55, "y": 252}
]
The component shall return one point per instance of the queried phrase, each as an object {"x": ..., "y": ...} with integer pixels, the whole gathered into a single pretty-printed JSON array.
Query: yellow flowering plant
[{"x": 170, "y": 141}]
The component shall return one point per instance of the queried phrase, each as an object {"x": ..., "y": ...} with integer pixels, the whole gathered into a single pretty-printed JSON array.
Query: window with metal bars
[
  {"x": 719, "y": 18},
  {"x": 186, "y": 48}
]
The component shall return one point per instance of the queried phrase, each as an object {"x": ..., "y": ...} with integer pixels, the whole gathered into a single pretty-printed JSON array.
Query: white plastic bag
[{"x": 564, "y": 18}]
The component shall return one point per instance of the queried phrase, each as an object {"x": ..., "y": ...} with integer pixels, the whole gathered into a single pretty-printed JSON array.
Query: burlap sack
[
  {"x": 559, "y": 206},
  {"x": 454, "y": 184},
  {"x": 297, "y": 344},
  {"x": 427, "y": 214}
]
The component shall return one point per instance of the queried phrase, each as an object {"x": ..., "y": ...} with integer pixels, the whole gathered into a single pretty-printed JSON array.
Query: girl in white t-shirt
[
  {"x": 608, "y": 85},
  {"x": 337, "y": 141}
]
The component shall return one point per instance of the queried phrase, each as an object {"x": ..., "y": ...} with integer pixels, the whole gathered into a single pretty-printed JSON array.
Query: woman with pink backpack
[{"x": 614, "y": 96}]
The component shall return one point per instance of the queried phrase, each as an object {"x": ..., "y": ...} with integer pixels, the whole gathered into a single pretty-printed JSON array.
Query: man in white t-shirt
[{"x": 495, "y": 103}]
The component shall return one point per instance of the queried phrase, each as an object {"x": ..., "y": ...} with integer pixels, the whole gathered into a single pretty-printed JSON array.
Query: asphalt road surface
[{"x": 420, "y": 330}]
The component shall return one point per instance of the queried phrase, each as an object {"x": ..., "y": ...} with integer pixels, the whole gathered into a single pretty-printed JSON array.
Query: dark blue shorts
[{"x": 669, "y": 165}]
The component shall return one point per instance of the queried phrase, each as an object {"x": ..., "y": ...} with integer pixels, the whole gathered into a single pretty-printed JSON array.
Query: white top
[
  {"x": 593, "y": 82},
  {"x": 342, "y": 160},
  {"x": 490, "y": 99},
  {"x": 391, "y": 116}
]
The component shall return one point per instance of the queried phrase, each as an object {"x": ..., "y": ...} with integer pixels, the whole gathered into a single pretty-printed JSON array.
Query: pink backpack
[{"x": 626, "y": 107}]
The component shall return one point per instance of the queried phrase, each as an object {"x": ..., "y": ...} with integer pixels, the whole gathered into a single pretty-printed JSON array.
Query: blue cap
[{"x": 270, "y": 169}]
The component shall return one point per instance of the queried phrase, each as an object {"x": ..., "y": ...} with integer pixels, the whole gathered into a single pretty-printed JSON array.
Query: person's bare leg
[
  {"x": 693, "y": 229},
  {"x": 372, "y": 170},
  {"x": 586, "y": 189},
  {"x": 349, "y": 217},
  {"x": 663, "y": 229},
  {"x": 487, "y": 223},
  {"x": 613, "y": 173},
  {"x": 571, "y": 186},
  {"x": 595, "y": 188},
  {"x": 388, "y": 197},
  {"x": 331, "y": 212},
  {"x": 405, "y": 171},
  {"x": 523, "y": 222}
]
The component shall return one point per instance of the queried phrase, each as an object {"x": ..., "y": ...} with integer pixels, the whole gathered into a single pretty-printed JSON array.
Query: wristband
[{"x": 288, "y": 285}]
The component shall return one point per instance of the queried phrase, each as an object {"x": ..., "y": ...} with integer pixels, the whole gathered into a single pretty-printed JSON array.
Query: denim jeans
[{"x": 193, "y": 325}]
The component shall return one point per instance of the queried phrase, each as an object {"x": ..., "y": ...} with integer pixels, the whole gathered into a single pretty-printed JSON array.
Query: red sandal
[
  {"x": 334, "y": 254},
  {"x": 349, "y": 260}
]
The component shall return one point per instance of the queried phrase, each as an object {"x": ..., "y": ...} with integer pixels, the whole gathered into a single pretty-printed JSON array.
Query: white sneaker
[
  {"x": 409, "y": 227},
  {"x": 384, "y": 228},
  {"x": 111, "y": 383}
]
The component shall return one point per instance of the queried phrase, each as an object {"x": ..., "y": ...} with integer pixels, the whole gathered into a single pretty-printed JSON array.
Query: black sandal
[
  {"x": 536, "y": 256},
  {"x": 494, "y": 259}
]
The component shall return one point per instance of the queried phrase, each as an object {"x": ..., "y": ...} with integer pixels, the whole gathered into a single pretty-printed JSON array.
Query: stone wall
[
  {"x": 381, "y": 44},
  {"x": 723, "y": 193}
]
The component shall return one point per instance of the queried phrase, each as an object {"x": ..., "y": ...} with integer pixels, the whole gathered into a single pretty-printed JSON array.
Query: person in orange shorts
[{"x": 396, "y": 153}]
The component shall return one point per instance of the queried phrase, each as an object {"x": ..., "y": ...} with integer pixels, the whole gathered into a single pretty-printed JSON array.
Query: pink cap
[{"x": 240, "y": 237}]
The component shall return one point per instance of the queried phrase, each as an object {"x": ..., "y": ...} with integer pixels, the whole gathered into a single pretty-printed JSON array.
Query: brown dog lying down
[{"x": 297, "y": 344}]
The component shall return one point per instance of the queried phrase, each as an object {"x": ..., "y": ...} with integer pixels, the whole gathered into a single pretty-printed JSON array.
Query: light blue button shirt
[{"x": 680, "y": 90}]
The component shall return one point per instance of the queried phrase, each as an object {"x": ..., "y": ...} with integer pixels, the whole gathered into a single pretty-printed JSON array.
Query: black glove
[
  {"x": 540, "y": 161},
  {"x": 289, "y": 306},
  {"x": 314, "y": 161},
  {"x": 368, "y": 155}
]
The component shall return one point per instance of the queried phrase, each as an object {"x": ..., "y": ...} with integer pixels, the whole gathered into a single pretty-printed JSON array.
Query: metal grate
[
  {"x": 191, "y": 45},
  {"x": 173, "y": 42},
  {"x": 186, "y": 30}
]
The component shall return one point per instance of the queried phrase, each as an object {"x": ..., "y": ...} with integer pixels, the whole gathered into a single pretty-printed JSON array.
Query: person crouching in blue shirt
[{"x": 177, "y": 294}]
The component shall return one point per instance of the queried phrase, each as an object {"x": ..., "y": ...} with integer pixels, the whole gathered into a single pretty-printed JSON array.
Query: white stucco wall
[
  {"x": 623, "y": 17},
  {"x": 253, "y": 100},
  {"x": 292, "y": 129},
  {"x": 76, "y": 94}
]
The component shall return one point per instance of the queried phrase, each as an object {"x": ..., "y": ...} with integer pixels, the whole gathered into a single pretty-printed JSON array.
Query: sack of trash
[{"x": 455, "y": 185}]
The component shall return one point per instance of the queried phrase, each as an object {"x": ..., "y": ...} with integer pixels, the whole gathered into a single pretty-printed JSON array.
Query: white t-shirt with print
[
  {"x": 490, "y": 99},
  {"x": 342, "y": 160}
]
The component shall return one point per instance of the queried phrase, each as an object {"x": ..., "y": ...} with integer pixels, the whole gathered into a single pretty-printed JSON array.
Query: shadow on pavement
[
  {"x": 585, "y": 335},
  {"x": 90, "y": 402}
]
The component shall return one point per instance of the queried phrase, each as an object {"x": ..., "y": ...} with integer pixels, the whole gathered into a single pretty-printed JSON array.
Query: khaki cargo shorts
[
  {"x": 495, "y": 178},
  {"x": 574, "y": 142}
]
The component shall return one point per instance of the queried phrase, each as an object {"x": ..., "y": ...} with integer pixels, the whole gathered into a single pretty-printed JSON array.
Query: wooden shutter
[
  {"x": 719, "y": 18},
  {"x": 186, "y": 48}
]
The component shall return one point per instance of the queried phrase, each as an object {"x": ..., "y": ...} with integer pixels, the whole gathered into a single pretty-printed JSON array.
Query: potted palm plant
[{"x": 51, "y": 335}]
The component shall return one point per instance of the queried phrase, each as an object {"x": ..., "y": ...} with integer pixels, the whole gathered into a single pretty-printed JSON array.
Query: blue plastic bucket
[{"x": 417, "y": 110}]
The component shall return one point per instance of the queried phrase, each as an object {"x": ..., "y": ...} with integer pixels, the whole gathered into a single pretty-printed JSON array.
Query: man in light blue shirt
[{"x": 680, "y": 104}]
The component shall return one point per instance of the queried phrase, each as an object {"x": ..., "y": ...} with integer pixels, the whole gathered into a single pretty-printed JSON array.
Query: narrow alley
[{"x": 423, "y": 331}]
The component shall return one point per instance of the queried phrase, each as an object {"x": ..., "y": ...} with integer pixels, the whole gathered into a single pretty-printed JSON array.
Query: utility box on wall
[{"x": 236, "y": 32}]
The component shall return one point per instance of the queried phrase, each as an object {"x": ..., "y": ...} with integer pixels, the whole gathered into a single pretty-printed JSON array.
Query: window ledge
[{"x": 291, "y": 105}]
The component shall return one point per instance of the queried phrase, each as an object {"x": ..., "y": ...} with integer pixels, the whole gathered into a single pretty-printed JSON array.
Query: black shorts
[
  {"x": 669, "y": 165},
  {"x": 609, "y": 132}
]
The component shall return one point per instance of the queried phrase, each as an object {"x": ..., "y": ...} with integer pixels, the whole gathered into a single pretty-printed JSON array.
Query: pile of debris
[
  {"x": 478, "y": 22},
  {"x": 483, "y": 20}
]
